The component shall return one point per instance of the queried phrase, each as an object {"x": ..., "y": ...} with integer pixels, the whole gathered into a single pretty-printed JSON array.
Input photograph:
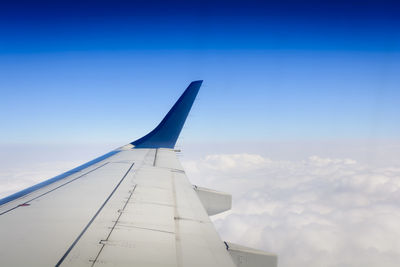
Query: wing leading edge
[{"x": 133, "y": 206}]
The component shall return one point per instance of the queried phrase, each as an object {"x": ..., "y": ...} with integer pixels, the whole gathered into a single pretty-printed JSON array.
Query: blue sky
[
  {"x": 298, "y": 115},
  {"x": 102, "y": 71}
]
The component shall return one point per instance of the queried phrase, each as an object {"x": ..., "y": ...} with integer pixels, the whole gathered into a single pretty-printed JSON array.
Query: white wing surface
[{"x": 131, "y": 207}]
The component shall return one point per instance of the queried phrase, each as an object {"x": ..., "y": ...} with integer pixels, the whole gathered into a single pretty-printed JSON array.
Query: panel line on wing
[
  {"x": 145, "y": 228},
  {"x": 113, "y": 227},
  {"x": 93, "y": 218},
  {"x": 176, "y": 223},
  {"x": 155, "y": 157}
]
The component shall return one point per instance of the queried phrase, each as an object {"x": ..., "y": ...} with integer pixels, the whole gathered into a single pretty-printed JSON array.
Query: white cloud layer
[
  {"x": 22, "y": 166},
  {"x": 312, "y": 212}
]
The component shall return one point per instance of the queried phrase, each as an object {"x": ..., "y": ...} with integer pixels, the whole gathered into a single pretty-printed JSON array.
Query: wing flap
[
  {"x": 250, "y": 257},
  {"x": 214, "y": 201}
]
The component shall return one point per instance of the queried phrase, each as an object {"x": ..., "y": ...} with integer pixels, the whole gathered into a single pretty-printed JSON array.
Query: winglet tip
[
  {"x": 198, "y": 81},
  {"x": 196, "y": 84},
  {"x": 167, "y": 132}
]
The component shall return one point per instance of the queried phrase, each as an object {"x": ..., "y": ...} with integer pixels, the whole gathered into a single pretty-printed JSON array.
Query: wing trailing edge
[
  {"x": 213, "y": 201},
  {"x": 167, "y": 132}
]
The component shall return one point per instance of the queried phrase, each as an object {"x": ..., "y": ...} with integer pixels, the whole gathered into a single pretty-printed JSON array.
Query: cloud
[
  {"x": 24, "y": 165},
  {"x": 14, "y": 178},
  {"x": 313, "y": 212}
]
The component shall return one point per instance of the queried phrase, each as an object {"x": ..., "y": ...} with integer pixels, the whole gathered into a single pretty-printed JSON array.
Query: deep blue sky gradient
[
  {"x": 95, "y": 71},
  {"x": 34, "y": 26}
]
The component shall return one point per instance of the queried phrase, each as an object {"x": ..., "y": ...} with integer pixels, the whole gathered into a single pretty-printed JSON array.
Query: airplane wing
[{"x": 133, "y": 206}]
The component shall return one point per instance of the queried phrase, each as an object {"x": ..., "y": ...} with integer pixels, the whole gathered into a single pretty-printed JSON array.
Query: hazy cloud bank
[
  {"x": 24, "y": 165},
  {"x": 312, "y": 212}
]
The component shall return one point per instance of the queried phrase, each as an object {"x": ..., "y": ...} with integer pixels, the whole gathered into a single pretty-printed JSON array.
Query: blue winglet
[{"x": 167, "y": 132}]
